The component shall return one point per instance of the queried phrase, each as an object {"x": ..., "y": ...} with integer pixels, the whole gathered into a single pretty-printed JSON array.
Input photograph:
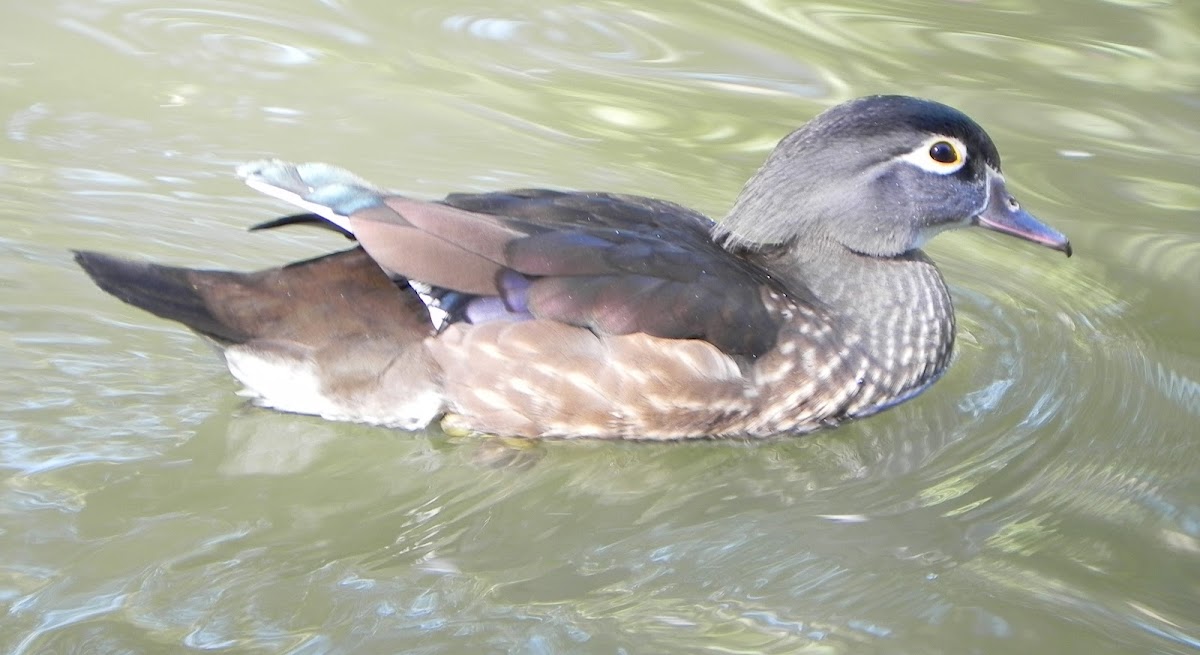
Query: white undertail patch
[{"x": 293, "y": 384}]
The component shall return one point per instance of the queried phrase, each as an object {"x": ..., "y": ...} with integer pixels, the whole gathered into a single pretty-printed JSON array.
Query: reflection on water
[{"x": 1042, "y": 497}]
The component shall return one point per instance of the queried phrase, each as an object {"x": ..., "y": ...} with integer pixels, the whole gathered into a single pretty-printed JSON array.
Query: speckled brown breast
[{"x": 822, "y": 371}]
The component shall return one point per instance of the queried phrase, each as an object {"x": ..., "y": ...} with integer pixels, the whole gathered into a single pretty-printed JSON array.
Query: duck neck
[{"x": 895, "y": 310}]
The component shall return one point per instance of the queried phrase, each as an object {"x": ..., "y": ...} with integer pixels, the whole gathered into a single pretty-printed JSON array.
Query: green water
[{"x": 1043, "y": 498}]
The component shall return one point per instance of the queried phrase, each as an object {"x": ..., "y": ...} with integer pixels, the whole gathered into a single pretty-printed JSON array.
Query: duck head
[{"x": 880, "y": 176}]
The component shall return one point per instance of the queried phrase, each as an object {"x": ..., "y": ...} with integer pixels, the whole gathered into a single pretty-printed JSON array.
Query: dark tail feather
[
  {"x": 301, "y": 219},
  {"x": 164, "y": 291},
  {"x": 316, "y": 302}
]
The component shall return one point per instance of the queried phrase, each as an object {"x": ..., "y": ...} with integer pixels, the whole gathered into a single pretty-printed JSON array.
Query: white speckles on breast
[
  {"x": 772, "y": 375},
  {"x": 829, "y": 363},
  {"x": 890, "y": 342},
  {"x": 521, "y": 385},
  {"x": 490, "y": 397},
  {"x": 635, "y": 386},
  {"x": 581, "y": 379}
]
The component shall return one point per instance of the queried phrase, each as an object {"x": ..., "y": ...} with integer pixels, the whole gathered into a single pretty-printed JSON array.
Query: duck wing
[{"x": 615, "y": 264}]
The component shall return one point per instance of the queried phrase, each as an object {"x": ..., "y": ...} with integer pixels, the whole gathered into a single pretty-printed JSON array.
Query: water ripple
[
  {"x": 584, "y": 59},
  {"x": 216, "y": 37},
  {"x": 1149, "y": 51}
]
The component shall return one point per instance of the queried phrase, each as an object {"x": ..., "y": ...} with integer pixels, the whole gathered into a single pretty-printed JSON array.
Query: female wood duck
[{"x": 564, "y": 314}]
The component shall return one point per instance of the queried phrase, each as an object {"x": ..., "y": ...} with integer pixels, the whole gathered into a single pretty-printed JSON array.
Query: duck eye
[
  {"x": 941, "y": 154},
  {"x": 944, "y": 152}
]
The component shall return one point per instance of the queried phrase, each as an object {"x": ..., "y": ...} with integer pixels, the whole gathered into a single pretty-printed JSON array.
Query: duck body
[{"x": 563, "y": 314}]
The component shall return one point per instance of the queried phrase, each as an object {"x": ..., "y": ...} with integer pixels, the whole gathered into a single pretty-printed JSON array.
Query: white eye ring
[{"x": 922, "y": 155}]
